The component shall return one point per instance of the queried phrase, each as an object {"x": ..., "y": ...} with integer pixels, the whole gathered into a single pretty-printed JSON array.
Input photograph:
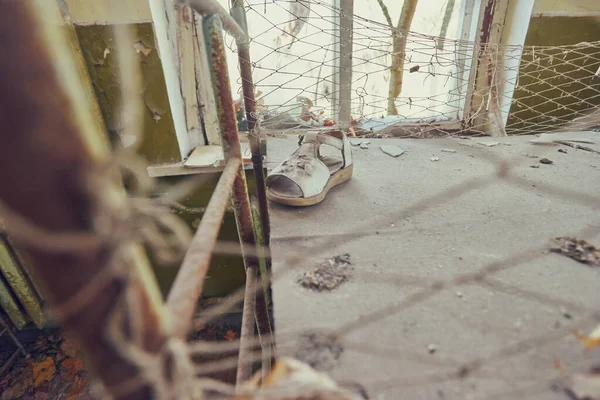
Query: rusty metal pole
[
  {"x": 243, "y": 214},
  {"x": 45, "y": 159},
  {"x": 183, "y": 297},
  {"x": 212, "y": 7},
  {"x": 243, "y": 46},
  {"x": 265, "y": 325}
]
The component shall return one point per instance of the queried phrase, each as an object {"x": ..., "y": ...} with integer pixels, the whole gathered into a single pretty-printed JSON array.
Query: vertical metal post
[
  {"x": 342, "y": 74},
  {"x": 243, "y": 214},
  {"x": 34, "y": 115},
  {"x": 238, "y": 13},
  {"x": 243, "y": 46},
  {"x": 492, "y": 15}
]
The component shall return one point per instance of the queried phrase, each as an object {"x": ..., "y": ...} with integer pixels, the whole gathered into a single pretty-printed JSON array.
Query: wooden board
[{"x": 212, "y": 156}]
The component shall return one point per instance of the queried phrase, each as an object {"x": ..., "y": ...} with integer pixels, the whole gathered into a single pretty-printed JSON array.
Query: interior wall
[
  {"x": 226, "y": 273},
  {"x": 98, "y": 47},
  {"x": 99, "y": 12},
  {"x": 565, "y": 8},
  {"x": 553, "y": 86}
]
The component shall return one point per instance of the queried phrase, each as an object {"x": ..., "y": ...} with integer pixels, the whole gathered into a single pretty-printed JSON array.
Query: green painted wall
[
  {"x": 98, "y": 46},
  {"x": 160, "y": 144},
  {"x": 226, "y": 273},
  {"x": 554, "y": 81}
]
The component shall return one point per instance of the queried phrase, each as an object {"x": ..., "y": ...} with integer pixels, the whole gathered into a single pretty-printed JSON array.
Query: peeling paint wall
[
  {"x": 160, "y": 145},
  {"x": 98, "y": 46}
]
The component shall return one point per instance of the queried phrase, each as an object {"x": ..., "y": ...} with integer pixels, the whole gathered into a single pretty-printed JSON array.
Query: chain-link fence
[
  {"x": 296, "y": 54},
  {"x": 168, "y": 365}
]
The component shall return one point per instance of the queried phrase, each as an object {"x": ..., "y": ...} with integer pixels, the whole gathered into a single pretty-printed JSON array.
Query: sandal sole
[{"x": 338, "y": 178}]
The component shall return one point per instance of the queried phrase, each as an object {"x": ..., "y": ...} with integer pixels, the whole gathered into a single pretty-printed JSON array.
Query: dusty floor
[{"x": 412, "y": 226}]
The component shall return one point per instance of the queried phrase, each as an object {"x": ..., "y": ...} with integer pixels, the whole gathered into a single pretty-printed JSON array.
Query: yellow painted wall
[
  {"x": 98, "y": 12},
  {"x": 566, "y": 7}
]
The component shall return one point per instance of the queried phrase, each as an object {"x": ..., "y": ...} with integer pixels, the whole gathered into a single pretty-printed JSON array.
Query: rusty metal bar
[
  {"x": 9, "y": 362},
  {"x": 183, "y": 297},
  {"x": 231, "y": 147},
  {"x": 239, "y": 15},
  {"x": 245, "y": 360},
  {"x": 47, "y": 155},
  {"x": 263, "y": 321},
  {"x": 7, "y": 329},
  {"x": 212, "y": 7}
]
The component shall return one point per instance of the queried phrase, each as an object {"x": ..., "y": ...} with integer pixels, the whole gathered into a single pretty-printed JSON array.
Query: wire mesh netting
[
  {"x": 440, "y": 92},
  {"x": 295, "y": 49}
]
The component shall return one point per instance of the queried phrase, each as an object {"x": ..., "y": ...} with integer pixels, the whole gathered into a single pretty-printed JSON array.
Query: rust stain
[{"x": 186, "y": 14}]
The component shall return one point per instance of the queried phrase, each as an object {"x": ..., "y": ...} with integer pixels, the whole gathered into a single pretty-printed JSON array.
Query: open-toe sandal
[{"x": 305, "y": 177}]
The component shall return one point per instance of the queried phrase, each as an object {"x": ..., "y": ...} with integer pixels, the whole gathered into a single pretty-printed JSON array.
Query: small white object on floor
[
  {"x": 432, "y": 348},
  {"x": 488, "y": 144},
  {"x": 391, "y": 150},
  {"x": 448, "y": 150},
  {"x": 459, "y": 295},
  {"x": 364, "y": 145},
  {"x": 435, "y": 159}
]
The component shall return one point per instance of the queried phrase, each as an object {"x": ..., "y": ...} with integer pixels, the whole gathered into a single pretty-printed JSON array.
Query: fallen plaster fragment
[
  {"x": 433, "y": 159},
  {"x": 488, "y": 144},
  {"x": 391, "y": 150}
]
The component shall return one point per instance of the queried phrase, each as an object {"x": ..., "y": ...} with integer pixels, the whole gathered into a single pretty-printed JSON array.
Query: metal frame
[
  {"x": 481, "y": 22},
  {"x": 187, "y": 287},
  {"x": 342, "y": 76}
]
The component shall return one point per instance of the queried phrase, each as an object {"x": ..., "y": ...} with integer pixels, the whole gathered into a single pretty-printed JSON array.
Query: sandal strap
[
  {"x": 322, "y": 138},
  {"x": 305, "y": 169},
  {"x": 342, "y": 145}
]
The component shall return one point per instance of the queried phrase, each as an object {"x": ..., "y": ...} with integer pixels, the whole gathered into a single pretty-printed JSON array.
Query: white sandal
[{"x": 305, "y": 178}]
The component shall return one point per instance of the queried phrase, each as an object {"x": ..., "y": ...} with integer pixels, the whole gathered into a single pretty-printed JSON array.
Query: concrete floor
[{"x": 410, "y": 224}]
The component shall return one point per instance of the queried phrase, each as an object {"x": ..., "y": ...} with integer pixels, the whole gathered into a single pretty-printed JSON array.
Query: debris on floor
[
  {"x": 570, "y": 139},
  {"x": 530, "y": 155},
  {"x": 391, "y": 150},
  {"x": 329, "y": 275},
  {"x": 556, "y": 138},
  {"x": 432, "y": 348},
  {"x": 320, "y": 351},
  {"x": 534, "y": 166},
  {"x": 546, "y": 161},
  {"x": 564, "y": 151},
  {"x": 363, "y": 144},
  {"x": 53, "y": 371},
  {"x": 434, "y": 159},
  {"x": 303, "y": 381},
  {"x": 577, "y": 249},
  {"x": 448, "y": 150},
  {"x": 488, "y": 144},
  {"x": 581, "y": 386},
  {"x": 592, "y": 340}
]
